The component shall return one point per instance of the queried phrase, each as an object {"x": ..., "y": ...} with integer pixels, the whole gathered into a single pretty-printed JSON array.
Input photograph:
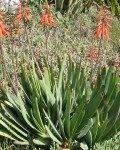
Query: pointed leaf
[{"x": 52, "y": 136}]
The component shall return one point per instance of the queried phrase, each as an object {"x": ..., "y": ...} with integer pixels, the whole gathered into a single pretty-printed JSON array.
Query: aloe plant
[
  {"x": 63, "y": 6},
  {"x": 62, "y": 107},
  {"x": 114, "y": 6},
  {"x": 72, "y": 5},
  {"x": 107, "y": 118}
]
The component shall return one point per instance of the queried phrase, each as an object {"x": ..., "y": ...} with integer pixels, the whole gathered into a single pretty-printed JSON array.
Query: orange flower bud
[
  {"x": 28, "y": 10},
  {"x": 2, "y": 13},
  {"x": 101, "y": 27},
  {"x": 27, "y": 17},
  {"x": 2, "y": 30}
]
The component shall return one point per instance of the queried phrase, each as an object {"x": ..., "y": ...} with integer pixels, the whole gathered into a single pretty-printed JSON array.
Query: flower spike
[{"x": 103, "y": 24}]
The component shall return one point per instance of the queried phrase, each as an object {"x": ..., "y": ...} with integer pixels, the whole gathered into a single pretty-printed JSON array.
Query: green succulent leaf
[
  {"x": 42, "y": 141},
  {"x": 94, "y": 128},
  {"x": 84, "y": 146},
  {"x": 89, "y": 139},
  {"x": 52, "y": 136},
  {"x": 77, "y": 118},
  {"x": 47, "y": 91},
  {"x": 85, "y": 129},
  {"x": 101, "y": 130},
  {"x": 7, "y": 134},
  {"x": 21, "y": 142},
  {"x": 108, "y": 77},
  {"x": 12, "y": 124},
  {"x": 13, "y": 131},
  {"x": 94, "y": 104},
  {"x": 52, "y": 125},
  {"x": 37, "y": 114},
  {"x": 25, "y": 113},
  {"x": 14, "y": 117},
  {"x": 67, "y": 116}
]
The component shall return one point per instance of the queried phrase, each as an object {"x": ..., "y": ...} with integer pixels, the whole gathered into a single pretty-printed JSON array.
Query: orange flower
[
  {"x": 65, "y": 143},
  {"x": 74, "y": 51},
  {"x": 27, "y": 10},
  {"x": 46, "y": 7},
  {"x": 52, "y": 5},
  {"x": 103, "y": 24},
  {"x": 47, "y": 17},
  {"x": 3, "y": 31},
  {"x": 15, "y": 3},
  {"x": 1, "y": 13},
  {"x": 50, "y": 19},
  {"x": 22, "y": 12},
  {"x": 27, "y": 17}
]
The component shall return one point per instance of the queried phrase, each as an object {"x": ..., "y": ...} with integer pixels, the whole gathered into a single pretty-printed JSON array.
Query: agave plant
[
  {"x": 62, "y": 109},
  {"x": 107, "y": 118},
  {"x": 72, "y": 5},
  {"x": 63, "y": 6},
  {"x": 114, "y": 6}
]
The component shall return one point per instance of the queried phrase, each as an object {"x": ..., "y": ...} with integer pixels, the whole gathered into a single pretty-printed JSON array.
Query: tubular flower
[
  {"x": 1, "y": 13},
  {"x": 13, "y": 28},
  {"x": 2, "y": 30},
  {"x": 47, "y": 17},
  {"x": 15, "y": 4},
  {"x": 103, "y": 24},
  {"x": 22, "y": 12}
]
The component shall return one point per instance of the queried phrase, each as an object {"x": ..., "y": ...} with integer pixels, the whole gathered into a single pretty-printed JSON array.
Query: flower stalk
[
  {"x": 101, "y": 30},
  {"x": 5, "y": 67},
  {"x": 22, "y": 16},
  {"x": 47, "y": 20}
]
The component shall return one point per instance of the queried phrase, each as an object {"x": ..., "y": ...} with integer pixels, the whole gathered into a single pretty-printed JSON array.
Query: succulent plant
[{"x": 62, "y": 109}]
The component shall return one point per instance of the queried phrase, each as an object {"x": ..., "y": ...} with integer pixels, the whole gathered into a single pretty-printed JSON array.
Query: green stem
[
  {"x": 5, "y": 67},
  {"x": 13, "y": 58},
  {"x": 31, "y": 50},
  {"x": 46, "y": 42},
  {"x": 99, "y": 51}
]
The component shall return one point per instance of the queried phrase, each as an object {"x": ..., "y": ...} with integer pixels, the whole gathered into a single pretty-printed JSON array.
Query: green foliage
[
  {"x": 107, "y": 119},
  {"x": 73, "y": 6},
  {"x": 62, "y": 106},
  {"x": 113, "y": 143},
  {"x": 114, "y": 6},
  {"x": 36, "y": 3},
  {"x": 63, "y": 6}
]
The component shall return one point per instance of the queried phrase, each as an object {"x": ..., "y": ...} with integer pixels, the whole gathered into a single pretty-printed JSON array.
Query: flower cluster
[
  {"x": 22, "y": 12},
  {"x": 103, "y": 24},
  {"x": 13, "y": 28},
  {"x": 47, "y": 18},
  {"x": 3, "y": 31}
]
